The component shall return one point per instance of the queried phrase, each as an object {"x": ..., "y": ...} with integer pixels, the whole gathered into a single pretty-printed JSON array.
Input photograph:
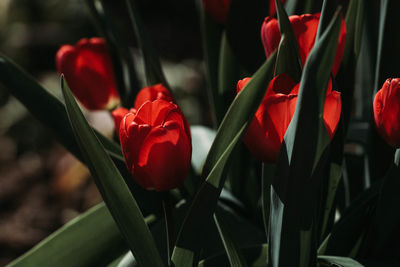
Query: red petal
[
  {"x": 152, "y": 93},
  {"x": 118, "y": 114},
  {"x": 332, "y": 110}
]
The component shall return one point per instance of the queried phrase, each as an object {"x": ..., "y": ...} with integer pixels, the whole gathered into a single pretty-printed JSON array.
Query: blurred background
[{"x": 42, "y": 186}]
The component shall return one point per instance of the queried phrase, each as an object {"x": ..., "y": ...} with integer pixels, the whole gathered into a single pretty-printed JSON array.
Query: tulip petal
[{"x": 332, "y": 110}]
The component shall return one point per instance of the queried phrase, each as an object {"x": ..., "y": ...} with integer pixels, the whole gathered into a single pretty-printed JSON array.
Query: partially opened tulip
[
  {"x": 268, "y": 127},
  {"x": 149, "y": 93},
  {"x": 387, "y": 111},
  {"x": 156, "y": 145},
  {"x": 305, "y": 30},
  {"x": 88, "y": 71}
]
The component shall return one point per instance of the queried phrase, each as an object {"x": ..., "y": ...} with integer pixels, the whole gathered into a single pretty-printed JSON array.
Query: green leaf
[
  {"x": 288, "y": 58},
  {"x": 333, "y": 183},
  {"x": 255, "y": 255},
  {"x": 233, "y": 252},
  {"x": 119, "y": 47},
  {"x": 153, "y": 70},
  {"x": 266, "y": 181},
  {"x": 229, "y": 133},
  {"x": 227, "y": 69},
  {"x": 242, "y": 108},
  {"x": 302, "y": 159},
  {"x": 211, "y": 37},
  {"x": 84, "y": 241},
  {"x": 118, "y": 198},
  {"x": 338, "y": 261},
  {"x": 48, "y": 109},
  {"x": 353, "y": 223}
]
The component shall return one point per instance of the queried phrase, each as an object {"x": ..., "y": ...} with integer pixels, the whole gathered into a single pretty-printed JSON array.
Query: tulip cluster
[{"x": 154, "y": 134}]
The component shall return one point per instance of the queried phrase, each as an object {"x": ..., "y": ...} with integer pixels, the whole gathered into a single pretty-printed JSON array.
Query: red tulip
[
  {"x": 88, "y": 71},
  {"x": 217, "y": 9},
  {"x": 305, "y": 30},
  {"x": 149, "y": 93},
  {"x": 156, "y": 145},
  {"x": 268, "y": 127},
  {"x": 387, "y": 111}
]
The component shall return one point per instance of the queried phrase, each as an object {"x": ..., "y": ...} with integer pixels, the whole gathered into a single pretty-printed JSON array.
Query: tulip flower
[
  {"x": 149, "y": 93},
  {"x": 268, "y": 127},
  {"x": 305, "y": 30},
  {"x": 156, "y": 145},
  {"x": 387, "y": 111},
  {"x": 88, "y": 71}
]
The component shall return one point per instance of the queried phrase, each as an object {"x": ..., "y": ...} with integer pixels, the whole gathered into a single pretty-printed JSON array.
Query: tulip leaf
[
  {"x": 338, "y": 261},
  {"x": 233, "y": 252},
  {"x": 212, "y": 34},
  {"x": 152, "y": 65},
  {"x": 84, "y": 241},
  {"x": 255, "y": 255},
  {"x": 47, "y": 108},
  {"x": 383, "y": 231},
  {"x": 120, "y": 50},
  {"x": 333, "y": 183},
  {"x": 302, "y": 159},
  {"x": 288, "y": 58},
  {"x": 229, "y": 133},
  {"x": 242, "y": 108},
  {"x": 352, "y": 224},
  {"x": 115, "y": 192}
]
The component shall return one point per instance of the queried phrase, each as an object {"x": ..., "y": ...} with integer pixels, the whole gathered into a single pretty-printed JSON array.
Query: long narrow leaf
[
  {"x": 84, "y": 241},
  {"x": 112, "y": 187},
  {"x": 302, "y": 160},
  {"x": 229, "y": 133},
  {"x": 288, "y": 58},
  {"x": 45, "y": 107},
  {"x": 233, "y": 252},
  {"x": 153, "y": 70},
  {"x": 120, "y": 50}
]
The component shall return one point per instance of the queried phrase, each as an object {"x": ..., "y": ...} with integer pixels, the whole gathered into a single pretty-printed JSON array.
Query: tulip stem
[{"x": 169, "y": 225}]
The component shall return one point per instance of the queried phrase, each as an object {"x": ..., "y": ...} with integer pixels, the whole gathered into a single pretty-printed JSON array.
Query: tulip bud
[
  {"x": 156, "y": 145},
  {"x": 268, "y": 127},
  {"x": 149, "y": 93},
  {"x": 387, "y": 111},
  {"x": 305, "y": 30},
  {"x": 88, "y": 71}
]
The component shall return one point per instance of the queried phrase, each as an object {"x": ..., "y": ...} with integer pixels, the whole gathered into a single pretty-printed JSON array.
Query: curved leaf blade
[
  {"x": 118, "y": 198},
  {"x": 48, "y": 109},
  {"x": 77, "y": 243}
]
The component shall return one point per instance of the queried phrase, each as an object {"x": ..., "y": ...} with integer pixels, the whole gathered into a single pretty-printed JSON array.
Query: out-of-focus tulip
[
  {"x": 151, "y": 93},
  {"x": 88, "y": 71},
  {"x": 387, "y": 111},
  {"x": 217, "y": 9},
  {"x": 305, "y": 30},
  {"x": 268, "y": 127},
  {"x": 156, "y": 145}
]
